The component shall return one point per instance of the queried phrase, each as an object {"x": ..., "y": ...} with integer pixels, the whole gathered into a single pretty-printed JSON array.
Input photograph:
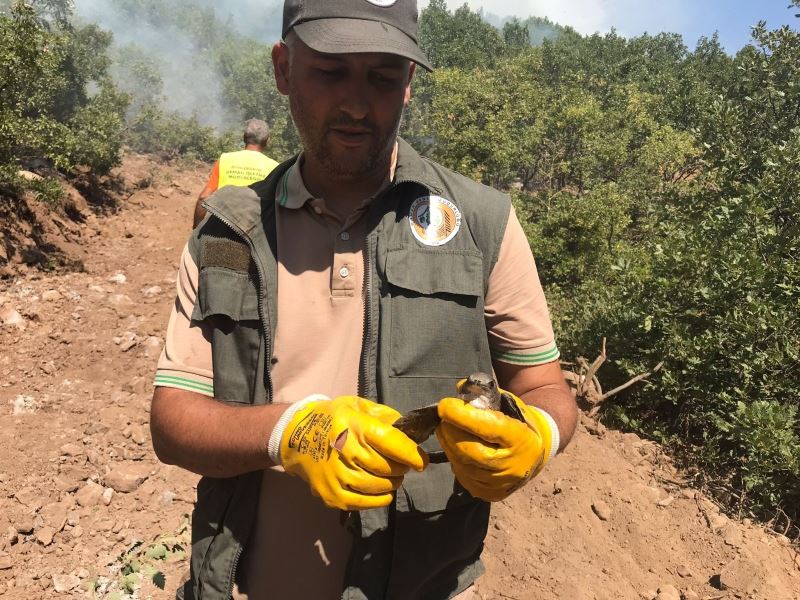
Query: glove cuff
[
  {"x": 274, "y": 444},
  {"x": 554, "y": 432}
]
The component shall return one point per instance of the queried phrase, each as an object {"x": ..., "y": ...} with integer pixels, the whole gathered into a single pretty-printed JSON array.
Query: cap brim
[{"x": 350, "y": 36}]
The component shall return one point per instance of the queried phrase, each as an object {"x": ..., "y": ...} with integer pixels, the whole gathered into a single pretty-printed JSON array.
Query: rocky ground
[{"x": 86, "y": 510}]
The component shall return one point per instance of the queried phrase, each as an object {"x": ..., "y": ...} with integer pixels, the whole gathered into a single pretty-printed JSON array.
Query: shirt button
[
  {"x": 345, "y": 237},
  {"x": 344, "y": 272}
]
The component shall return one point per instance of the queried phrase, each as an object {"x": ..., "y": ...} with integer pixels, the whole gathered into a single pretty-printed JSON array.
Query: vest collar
[
  {"x": 243, "y": 207},
  {"x": 412, "y": 168}
]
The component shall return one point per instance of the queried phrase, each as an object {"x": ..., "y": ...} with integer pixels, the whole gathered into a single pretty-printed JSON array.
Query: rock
[
  {"x": 89, "y": 495},
  {"x": 11, "y": 318},
  {"x": 48, "y": 368},
  {"x": 55, "y": 515},
  {"x": 689, "y": 494},
  {"x": 5, "y": 561},
  {"x": 128, "y": 344},
  {"x": 64, "y": 484},
  {"x": 76, "y": 532},
  {"x": 168, "y": 497},
  {"x": 52, "y": 296},
  {"x": 65, "y": 583},
  {"x": 25, "y": 527},
  {"x": 684, "y": 571},
  {"x": 668, "y": 592},
  {"x": 717, "y": 522},
  {"x": 665, "y": 502},
  {"x": 108, "y": 495},
  {"x": 29, "y": 175},
  {"x": 648, "y": 595},
  {"x": 11, "y": 536},
  {"x": 137, "y": 385},
  {"x": 120, "y": 300},
  {"x": 104, "y": 525},
  {"x": 23, "y": 405},
  {"x": 151, "y": 292},
  {"x": 127, "y": 478},
  {"x": 741, "y": 575},
  {"x": 596, "y": 428},
  {"x": 731, "y": 535},
  {"x": 45, "y": 535},
  {"x": 602, "y": 510},
  {"x": 138, "y": 436},
  {"x": 119, "y": 279},
  {"x": 72, "y": 449},
  {"x": 29, "y": 496},
  {"x": 153, "y": 345},
  {"x": 691, "y": 595}
]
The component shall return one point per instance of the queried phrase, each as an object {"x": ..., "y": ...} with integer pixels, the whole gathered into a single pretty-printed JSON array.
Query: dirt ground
[{"x": 85, "y": 505}]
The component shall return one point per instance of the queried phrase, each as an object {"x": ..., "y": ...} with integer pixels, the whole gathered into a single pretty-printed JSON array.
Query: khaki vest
[
  {"x": 425, "y": 330},
  {"x": 244, "y": 168}
]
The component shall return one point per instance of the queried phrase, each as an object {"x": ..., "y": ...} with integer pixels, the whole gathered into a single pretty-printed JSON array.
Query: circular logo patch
[{"x": 434, "y": 220}]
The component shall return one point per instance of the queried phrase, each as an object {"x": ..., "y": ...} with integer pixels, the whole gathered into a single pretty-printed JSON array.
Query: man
[
  {"x": 241, "y": 168},
  {"x": 357, "y": 282}
]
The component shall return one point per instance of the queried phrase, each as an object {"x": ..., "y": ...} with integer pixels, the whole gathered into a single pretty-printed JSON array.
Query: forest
[{"x": 657, "y": 182}]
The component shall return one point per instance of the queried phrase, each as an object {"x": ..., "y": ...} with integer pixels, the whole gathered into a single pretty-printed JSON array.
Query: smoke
[
  {"x": 258, "y": 19},
  {"x": 586, "y": 16},
  {"x": 176, "y": 40}
]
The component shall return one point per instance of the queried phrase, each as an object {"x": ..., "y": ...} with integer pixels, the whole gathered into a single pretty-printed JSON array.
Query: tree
[
  {"x": 516, "y": 36},
  {"x": 461, "y": 39},
  {"x": 46, "y": 108},
  {"x": 719, "y": 295}
]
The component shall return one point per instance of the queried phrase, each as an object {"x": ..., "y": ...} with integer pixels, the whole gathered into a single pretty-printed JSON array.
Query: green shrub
[{"x": 48, "y": 110}]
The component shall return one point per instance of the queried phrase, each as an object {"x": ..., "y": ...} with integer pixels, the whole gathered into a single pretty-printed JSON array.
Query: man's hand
[
  {"x": 348, "y": 451},
  {"x": 491, "y": 454}
]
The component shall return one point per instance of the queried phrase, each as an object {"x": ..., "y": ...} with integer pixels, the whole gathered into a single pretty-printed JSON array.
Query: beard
[{"x": 340, "y": 162}]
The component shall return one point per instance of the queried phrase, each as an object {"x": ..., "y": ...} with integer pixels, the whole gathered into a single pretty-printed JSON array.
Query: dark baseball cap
[{"x": 352, "y": 26}]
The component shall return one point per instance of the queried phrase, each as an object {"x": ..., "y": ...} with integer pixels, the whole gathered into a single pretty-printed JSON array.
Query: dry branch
[
  {"x": 633, "y": 381},
  {"x": 587, "y": 385}
]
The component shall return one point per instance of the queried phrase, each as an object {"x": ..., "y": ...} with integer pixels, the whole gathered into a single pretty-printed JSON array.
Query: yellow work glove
[
  {"x": 346, "y": 450},
  {"x": 491, "y": 454}
]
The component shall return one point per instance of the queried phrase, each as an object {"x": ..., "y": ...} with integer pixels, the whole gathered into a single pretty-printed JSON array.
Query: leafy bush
[
  {"x": 48, "y": 110},
  {"x": 173, "y": 135},
  {"x": 658, "y": 189},
  {"x": 713, "y": 289}
]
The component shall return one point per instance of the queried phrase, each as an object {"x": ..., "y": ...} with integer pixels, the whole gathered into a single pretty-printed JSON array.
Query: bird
[{"x": 478, "y": 389}]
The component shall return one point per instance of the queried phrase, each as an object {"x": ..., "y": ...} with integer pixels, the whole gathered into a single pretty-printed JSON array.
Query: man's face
[{"x": 347, "y": 107}]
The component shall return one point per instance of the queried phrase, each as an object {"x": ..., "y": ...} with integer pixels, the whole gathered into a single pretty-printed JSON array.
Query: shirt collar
[{"x": 292, "y": 191}]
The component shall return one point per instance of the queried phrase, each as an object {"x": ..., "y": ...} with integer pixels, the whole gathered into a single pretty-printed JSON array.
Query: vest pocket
[
  {"x": 453, "y": 526},
  {"x": 435, "y": 311},
  {"x": 228, "y": 300}
]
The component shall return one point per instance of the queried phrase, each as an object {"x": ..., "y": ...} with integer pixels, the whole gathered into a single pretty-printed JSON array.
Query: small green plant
[
  {"x": 47, "y": 190},
  {"x": 143, "y": 563}
]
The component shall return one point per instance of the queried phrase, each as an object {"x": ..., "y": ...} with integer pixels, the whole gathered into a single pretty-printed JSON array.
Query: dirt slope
[{"x": 83, "y": 501}]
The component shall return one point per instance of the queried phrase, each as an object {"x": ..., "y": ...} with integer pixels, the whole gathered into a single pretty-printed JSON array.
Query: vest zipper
[
  {"x": 264, "y": 319},
  {"x": 363, "y": 373},
  {"x": 261, "y": 293}
]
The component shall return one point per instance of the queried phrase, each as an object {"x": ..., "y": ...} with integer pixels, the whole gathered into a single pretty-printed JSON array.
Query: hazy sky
[{"x": 692, "y": 18}]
